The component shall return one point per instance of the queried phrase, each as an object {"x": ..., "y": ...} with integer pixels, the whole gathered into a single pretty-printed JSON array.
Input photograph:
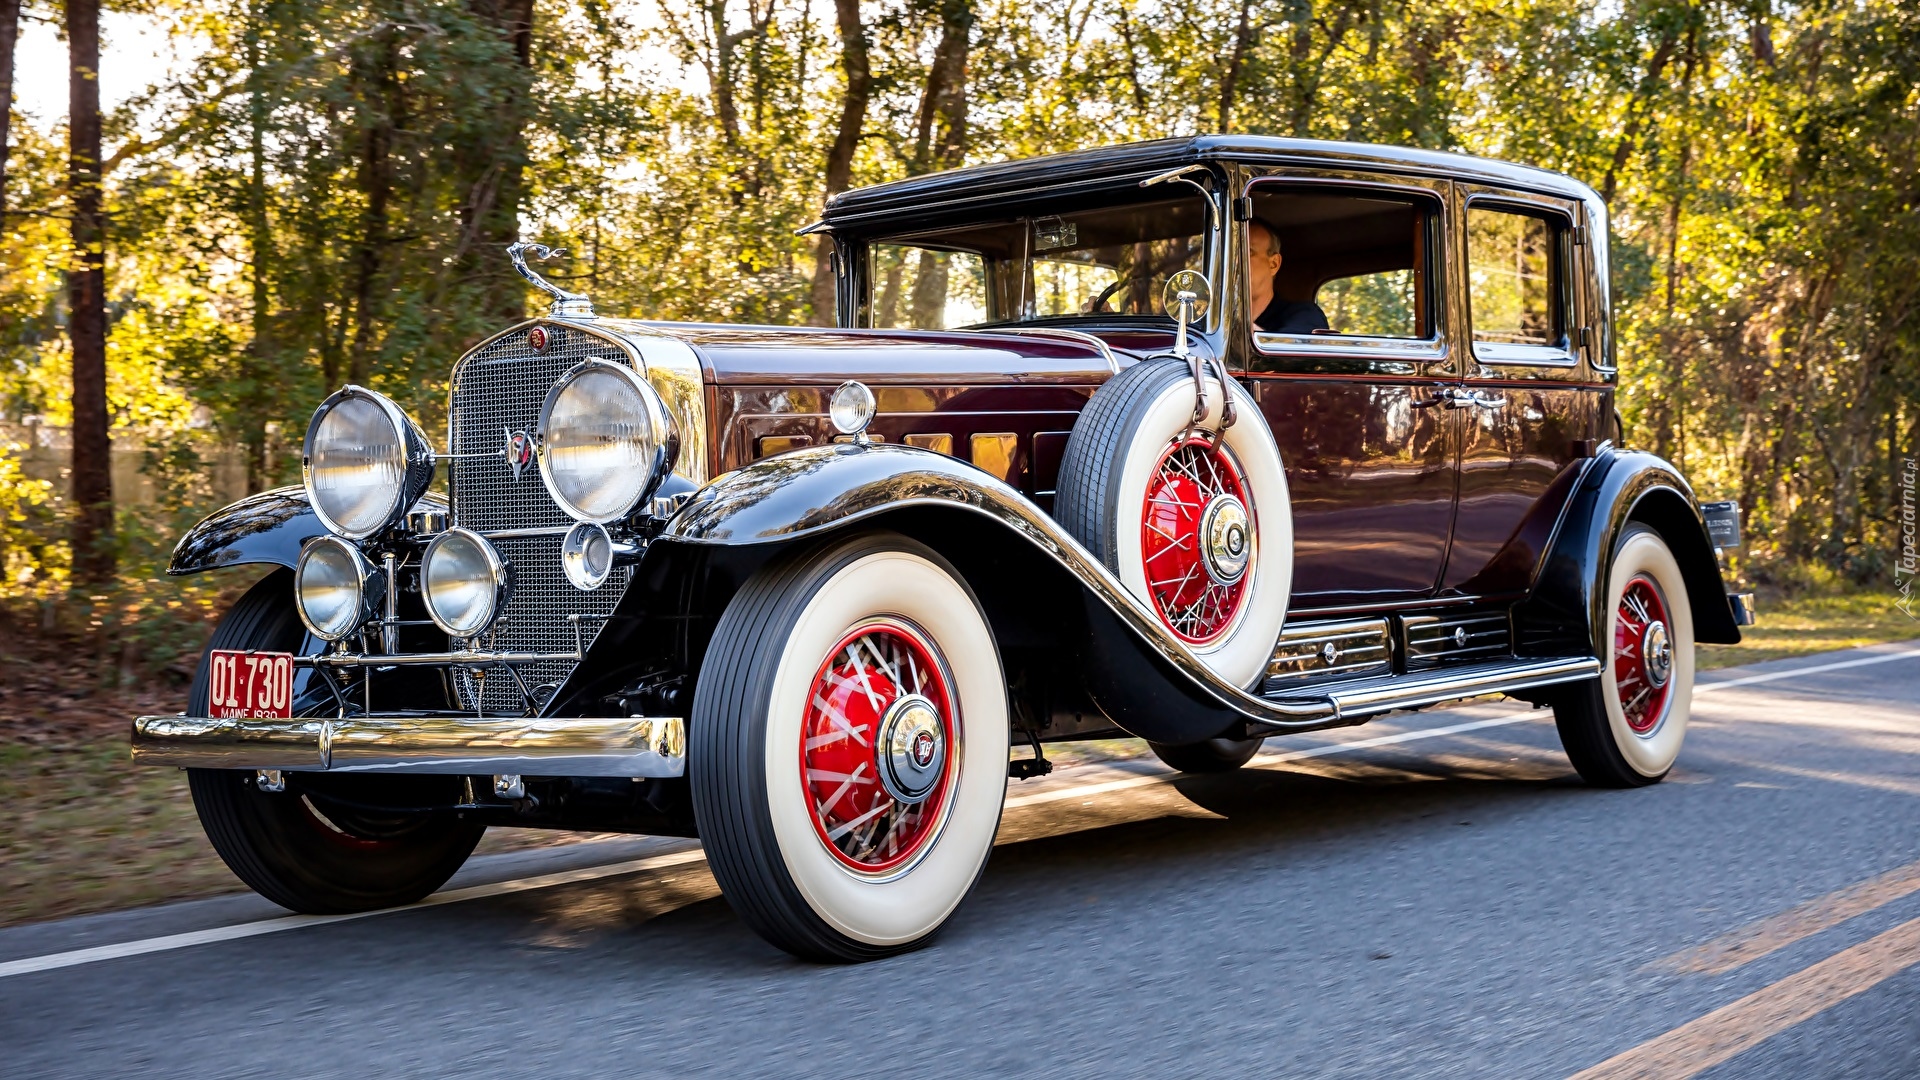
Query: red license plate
[{"x": 251, "y": 685}]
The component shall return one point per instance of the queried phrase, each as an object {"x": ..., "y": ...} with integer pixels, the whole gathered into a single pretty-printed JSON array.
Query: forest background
[{"x": 318, "y": 192}]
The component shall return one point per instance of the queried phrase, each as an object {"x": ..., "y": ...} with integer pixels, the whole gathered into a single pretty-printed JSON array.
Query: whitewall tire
[
  {"x": 1625, "y": 729},
  {"x": 1163, "y": 502},
  {"x": 848, "y": 751}
]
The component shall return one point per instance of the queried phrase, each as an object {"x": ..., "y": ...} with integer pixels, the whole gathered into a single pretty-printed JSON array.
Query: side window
[
  {"x": 918, "y": 288},
  {"x": 1329, "y": 268},
  {"x": 1381, "y": 304},
  {"x": 1516, "y": 287}
]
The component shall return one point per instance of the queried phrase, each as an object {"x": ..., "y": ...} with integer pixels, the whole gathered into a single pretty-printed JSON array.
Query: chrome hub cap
[
  {"x": 913, "y": 749},
  {"x": 1223, "y": 529},
  {"x": 1657, "y": 654}
]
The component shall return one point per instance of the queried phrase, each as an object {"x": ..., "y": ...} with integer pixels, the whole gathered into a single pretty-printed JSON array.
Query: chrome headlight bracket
[
  {"x": 662, "y": 431},
  {"x": 416, "y": 465}
]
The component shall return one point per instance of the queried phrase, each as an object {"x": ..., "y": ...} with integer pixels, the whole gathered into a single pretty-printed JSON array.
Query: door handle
[
  {"x": 1447, "y": 396},
  {"x": 1487, "y": 401}
]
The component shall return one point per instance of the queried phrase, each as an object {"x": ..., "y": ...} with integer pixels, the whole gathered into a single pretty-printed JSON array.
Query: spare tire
[{"x": 1195, "y": 521}]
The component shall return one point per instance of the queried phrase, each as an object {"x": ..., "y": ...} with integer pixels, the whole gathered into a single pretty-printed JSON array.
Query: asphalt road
[{"x": 1394, "y": 899}]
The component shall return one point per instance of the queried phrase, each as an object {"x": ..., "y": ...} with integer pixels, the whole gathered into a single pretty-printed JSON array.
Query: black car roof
[{"x": 1104, "y": 165}]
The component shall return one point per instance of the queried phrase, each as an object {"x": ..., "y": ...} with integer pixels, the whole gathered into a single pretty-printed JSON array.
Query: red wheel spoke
[
  {"x": 1642, "y": 655},
  {"x": 1190, "y": 590},
  {"x": 883, "y": 674}
]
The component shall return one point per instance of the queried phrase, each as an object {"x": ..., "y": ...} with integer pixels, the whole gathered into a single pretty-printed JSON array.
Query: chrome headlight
[
  {"x": 335, "y": 588},
  {"x": 464, "y": 581},
  {"x": 365, "y": 462},
  {"x": 606, "y": 441}
]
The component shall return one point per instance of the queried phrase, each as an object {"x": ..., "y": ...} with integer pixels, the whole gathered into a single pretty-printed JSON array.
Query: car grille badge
[{"x": 518, "y": 451}]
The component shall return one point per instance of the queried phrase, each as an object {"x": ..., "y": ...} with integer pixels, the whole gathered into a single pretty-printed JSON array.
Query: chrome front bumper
[{"x": 629, "y": 746}]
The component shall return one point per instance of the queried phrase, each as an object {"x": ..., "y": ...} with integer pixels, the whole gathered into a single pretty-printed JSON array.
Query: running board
[{"x": 1357, "y": 698}]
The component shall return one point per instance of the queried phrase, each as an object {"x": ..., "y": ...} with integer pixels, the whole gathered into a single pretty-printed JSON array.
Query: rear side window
[{"x": 1517, "y": 291}]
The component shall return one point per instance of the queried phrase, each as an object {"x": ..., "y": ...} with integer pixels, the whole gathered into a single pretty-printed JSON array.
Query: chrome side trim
[
  {"x": 632, "y": 746},
  {"x": 1433, "y": 639},
  {"x": 1081, "y": 336},
  {"x": 1359, "y": 647},
  {"x": 766, "y": 502}
]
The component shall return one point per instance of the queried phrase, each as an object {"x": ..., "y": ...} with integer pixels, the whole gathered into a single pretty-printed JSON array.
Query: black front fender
[
  {"x": 268, "y": 528},
  {"x": 1567, "y": 608}
]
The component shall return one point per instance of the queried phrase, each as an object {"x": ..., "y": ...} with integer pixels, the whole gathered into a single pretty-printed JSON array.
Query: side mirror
[{"x": 1186, "y": 298}]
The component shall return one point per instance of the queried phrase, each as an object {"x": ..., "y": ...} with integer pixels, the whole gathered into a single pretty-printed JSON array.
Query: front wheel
[
  {"x": 1625, "y": 728},
  {"x": 848, "y": 751},
  {"x": 316, "y": 847}
]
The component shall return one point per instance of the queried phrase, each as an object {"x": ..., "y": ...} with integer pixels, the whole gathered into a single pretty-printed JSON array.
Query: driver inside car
[{"x": 1276, "y": 316}]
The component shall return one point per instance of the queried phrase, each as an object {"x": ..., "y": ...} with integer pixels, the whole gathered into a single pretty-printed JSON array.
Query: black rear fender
[{"x": 1566, "y": 611}]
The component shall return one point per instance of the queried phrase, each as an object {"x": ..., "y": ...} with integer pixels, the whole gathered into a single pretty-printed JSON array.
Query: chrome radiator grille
[{"x": 496, "y": 391}]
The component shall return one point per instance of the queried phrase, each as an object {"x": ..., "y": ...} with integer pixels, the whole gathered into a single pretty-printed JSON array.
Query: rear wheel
[
  {"x": 1625, "y": 728},
  {"x": 1213, "y": 755},
  {"x": 848, "y": 752},
  {"x": 320, "y": 849}
]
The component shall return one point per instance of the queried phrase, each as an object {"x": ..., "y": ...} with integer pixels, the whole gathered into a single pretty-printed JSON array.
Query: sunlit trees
[{"x": 325, "y": 198}]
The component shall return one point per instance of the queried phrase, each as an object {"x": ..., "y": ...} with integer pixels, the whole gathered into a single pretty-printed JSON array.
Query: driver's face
[{"x": 1262, "y": 263}]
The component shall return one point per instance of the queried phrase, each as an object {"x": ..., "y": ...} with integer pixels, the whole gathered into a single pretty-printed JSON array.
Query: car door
[
  {"x": 1529, "y": 406},
  {"x": 1369, "y": 458}
]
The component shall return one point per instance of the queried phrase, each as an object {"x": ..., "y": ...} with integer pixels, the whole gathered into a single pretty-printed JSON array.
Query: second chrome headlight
[
  {"x": 335, "y": 589},
  {"x": 464, "y": 582},
  {"x": 606, "y": 441},
  {"x": 364, "y": 462}
]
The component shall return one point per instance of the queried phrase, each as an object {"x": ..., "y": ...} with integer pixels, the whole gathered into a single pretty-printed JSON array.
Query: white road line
[
  {"x": 31, "y": 964},
  {"x": 1771, "y": 676},
  {"x": 72, "y": 958}
]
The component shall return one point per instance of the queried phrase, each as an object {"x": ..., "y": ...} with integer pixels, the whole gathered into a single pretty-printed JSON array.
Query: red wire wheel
[
  {"x": 1196, "y": 539},
  {"x": 877, "y": 750},
  {"x": 1642, "y": 655}
]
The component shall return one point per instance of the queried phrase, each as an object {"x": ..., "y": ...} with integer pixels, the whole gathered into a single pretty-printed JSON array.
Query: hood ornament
[{"x": 569, "y": 305}]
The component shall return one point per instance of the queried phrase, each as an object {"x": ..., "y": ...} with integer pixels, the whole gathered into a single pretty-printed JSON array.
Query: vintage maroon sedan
[{"x": 1201, "y": 440}]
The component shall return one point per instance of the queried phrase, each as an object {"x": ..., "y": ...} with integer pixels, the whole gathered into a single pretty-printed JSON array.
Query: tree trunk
[
  {"x": 9, "y": 34},
  {"x": 493, "y": 164},
  {"x": 260, "y": 350},
  {"x": 940, "y": 140},
  {"x": 93, "y": 556},
  {"x": 846, "y": 140},
  {"x": 379, "y": 94},
  {"x": 1230, "y": 81}
]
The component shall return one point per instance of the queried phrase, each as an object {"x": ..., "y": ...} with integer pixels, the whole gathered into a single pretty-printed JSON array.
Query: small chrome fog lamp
[
  {"x": 589, "y": 555},
  {"x": 364, "y": 462},
  {"x": 335, "y": 589},
  {"x": 464, "y": 582},
  {"x": 851, "y": 408}
]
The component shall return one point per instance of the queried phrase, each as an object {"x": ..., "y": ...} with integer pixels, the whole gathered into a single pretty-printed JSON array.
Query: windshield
[{"x": 1095, "y": 263}]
